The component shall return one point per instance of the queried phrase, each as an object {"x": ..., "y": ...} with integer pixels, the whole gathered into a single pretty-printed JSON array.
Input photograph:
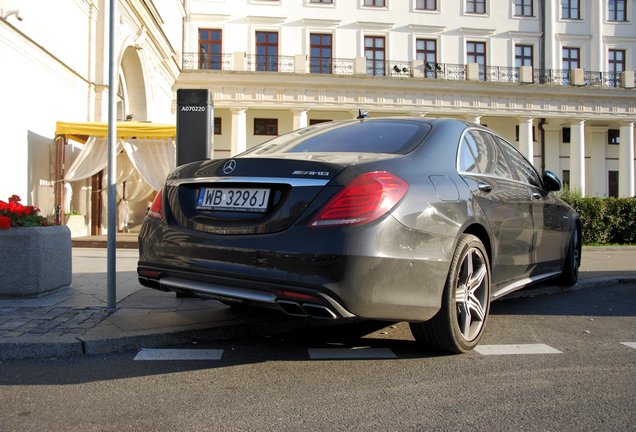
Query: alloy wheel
[{"x": 471, "y": 295}]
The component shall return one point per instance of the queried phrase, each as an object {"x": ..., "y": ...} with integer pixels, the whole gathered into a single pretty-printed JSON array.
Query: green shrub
[{"x": 604, "y": 220}]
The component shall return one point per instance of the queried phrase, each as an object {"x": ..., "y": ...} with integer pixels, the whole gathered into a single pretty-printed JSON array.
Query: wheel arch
[{"x": 481, "y": 233}]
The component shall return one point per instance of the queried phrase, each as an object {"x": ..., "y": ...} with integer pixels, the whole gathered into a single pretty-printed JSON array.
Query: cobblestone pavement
[{"x": 22, "y": 322}]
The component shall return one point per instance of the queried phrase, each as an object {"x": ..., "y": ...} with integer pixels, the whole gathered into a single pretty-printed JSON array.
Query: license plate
[{"x": 230, "y": 199}]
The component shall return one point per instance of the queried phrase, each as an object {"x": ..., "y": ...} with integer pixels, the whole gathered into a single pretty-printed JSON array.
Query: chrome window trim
[
  {"x": 294, "y": 182},
  {"x": 494, "y": 134}
]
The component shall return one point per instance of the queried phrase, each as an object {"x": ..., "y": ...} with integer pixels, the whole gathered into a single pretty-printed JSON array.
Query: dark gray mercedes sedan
[{"x": 407, "y": 219}]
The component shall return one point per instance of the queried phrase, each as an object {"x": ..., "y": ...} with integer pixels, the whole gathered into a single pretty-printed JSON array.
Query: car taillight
[
  {"x": 362, "y": 200},
  {"x": 155, "y": 209}
]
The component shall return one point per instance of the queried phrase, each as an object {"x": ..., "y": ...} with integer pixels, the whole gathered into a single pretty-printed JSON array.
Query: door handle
[
  {"x": 536, "y": 195},
  {"x": 484, "y": 187}
]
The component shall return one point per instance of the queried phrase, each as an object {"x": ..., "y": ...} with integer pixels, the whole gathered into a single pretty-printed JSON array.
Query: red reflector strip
[
  {"x": 297, "y": 295},
  {"x": 149, "y": 273},
  {"x": 155, "y": 209}
]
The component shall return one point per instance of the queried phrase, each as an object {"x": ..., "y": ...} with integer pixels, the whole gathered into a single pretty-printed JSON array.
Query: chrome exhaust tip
[
  {"x": 319, "y": 311},
  {"x": 291, "y": 308}
]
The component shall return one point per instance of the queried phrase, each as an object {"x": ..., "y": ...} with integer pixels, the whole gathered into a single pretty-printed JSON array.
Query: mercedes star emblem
[{"x": 229, "y": 166}]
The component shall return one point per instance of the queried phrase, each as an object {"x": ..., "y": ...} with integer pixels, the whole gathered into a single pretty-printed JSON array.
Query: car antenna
[{"x": 362, "y": 115}]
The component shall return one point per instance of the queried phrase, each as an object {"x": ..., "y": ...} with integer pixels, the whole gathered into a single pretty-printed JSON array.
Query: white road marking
[
  {"x": 629, "y": 344},
  {"x": 179, "y": 354},
  {"x": 516, "y": 349},
  {"x": 351, "y": 353}
]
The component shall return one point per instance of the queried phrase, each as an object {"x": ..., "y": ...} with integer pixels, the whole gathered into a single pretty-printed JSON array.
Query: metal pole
[{"x": 112, "y": 160}]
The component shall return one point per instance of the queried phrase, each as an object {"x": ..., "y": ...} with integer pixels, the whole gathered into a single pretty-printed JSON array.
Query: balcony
[{"x": 416, "y": 69}]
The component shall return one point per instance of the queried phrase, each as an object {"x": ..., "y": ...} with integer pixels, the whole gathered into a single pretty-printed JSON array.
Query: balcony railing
[
  {"x": 328, "y": 65},
  {"x": 269, "y": 63},
  {"x": 207, "y": 61},
  {"x": 390, "y": 68}
]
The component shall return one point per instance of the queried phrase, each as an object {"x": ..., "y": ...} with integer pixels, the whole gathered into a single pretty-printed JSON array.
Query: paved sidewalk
[{"x": 76, "y": 321}]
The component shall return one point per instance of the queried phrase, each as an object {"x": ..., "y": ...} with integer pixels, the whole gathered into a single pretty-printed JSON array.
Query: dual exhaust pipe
[{"x": 306, "y": 309}]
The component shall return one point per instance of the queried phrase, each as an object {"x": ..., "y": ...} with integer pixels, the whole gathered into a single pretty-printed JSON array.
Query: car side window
[
  {"x": 488, "y": 156},
  {"x": 524, "y": 169},
  {"x": 466, "y": 159}
]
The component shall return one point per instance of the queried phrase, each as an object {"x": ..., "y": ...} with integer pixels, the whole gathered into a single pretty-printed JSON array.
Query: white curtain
[
  {"x": 92, "y": 159},
  {"x": 154, "y": 159},
  {"x": 144, "y": 166}
]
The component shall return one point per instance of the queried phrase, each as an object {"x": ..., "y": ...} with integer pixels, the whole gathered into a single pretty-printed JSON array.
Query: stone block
[
  {"x": 577, "y": 77},
  {"x": 239, "y": 61},
  {"x": 525, "y": 75},
  {"x": 418, "y": 68},
  {"x": 360, "y": 66},
  {"x": 472, "y": 71},
  {"x": 627, "y": 79},
  {"x": 34, "y": 261},
  {"x": 300, "y": 63}
]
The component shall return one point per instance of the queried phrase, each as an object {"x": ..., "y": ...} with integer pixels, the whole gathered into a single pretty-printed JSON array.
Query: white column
[
  {"x": 553, "y": 148},
  {"x": 551, "y": 48},
  {"x": 239, "y": 131},
  {"x": 596, "y": 24},
  {"x": 577, "y": 155},
  {"x": 599, "y": 170},
  {"x": 526, "y": 144},
  {"x": 626, "y": 187},
  {"x": 300, "y": 118},
  {"x": 475, "y": 118}
]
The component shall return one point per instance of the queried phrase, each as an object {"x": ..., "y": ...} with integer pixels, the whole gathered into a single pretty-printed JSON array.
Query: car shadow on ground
[{"x": 614, "y": 300}]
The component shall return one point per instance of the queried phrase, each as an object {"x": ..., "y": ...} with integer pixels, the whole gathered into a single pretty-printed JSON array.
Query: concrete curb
[{"x": 262, "y": 326}]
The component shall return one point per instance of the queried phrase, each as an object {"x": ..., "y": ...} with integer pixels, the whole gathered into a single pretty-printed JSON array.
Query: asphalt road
[{"x": 587, "y": 381}]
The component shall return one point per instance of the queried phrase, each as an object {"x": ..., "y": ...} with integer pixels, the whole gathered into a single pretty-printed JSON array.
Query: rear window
[{"x": 370, "y": 136}]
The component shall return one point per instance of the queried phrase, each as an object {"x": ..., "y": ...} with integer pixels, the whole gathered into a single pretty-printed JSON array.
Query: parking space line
[
  {"x": 516, "y": 349},
  {"x": 179, "y": 354},
  {"x": 350, "y": 353},
  {"x": 629, "y": 344}
]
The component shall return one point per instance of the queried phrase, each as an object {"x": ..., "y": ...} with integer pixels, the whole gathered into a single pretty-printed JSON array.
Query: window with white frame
[
  {"x": 523, "y": 55},
  {"x": 571, "y": 9},
  {"x": 476, "y": 6},
  {"x": 616, "y": 60},
  {"x": 571, "y": 58},
  {"x": 617, "y": 10},
  {"x": 523, "y": 7},
  {"x": 374, "y": 52},
  {"x": 426, "y": 5}
]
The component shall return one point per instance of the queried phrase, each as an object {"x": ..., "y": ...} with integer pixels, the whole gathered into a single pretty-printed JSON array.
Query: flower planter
[
  {"x": 77, "y": 225},
  {"x": 34, "y": 261}
]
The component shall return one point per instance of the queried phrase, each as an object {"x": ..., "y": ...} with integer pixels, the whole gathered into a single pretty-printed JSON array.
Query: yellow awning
[{"x": 125, "y": 129}]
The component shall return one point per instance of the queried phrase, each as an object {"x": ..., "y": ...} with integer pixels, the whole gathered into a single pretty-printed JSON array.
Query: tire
[
  {"x": 459, "y": 324},
  {"x": 570, "y": 274}
]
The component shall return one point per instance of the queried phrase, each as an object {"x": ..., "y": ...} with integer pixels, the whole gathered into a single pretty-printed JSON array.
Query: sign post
[{"x": 195, "y": 123}]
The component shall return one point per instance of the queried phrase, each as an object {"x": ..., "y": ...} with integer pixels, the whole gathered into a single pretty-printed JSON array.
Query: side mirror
[{"x": 551, "y": 182}]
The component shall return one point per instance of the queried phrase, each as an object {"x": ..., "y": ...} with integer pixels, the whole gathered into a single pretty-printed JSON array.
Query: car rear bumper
[{"x": 385, "y": 271}]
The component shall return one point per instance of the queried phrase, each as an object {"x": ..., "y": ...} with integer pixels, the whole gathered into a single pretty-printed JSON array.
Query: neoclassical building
[{"x": 555, "y": 77}]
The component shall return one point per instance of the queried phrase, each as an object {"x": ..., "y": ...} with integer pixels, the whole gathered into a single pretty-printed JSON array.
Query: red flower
[
  {"x": 14, "y": 214},
  {"x": 5, "y": 222}
]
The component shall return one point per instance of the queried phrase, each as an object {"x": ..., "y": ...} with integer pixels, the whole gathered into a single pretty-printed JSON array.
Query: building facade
[
  {"x": 555, "y": 77},
  {"x": 54, "y": 66}
]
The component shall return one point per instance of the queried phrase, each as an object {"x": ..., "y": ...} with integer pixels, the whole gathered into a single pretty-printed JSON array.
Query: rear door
[
  {"x": 505, "y": 201},
  {"x": 550, "y": 218}
]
